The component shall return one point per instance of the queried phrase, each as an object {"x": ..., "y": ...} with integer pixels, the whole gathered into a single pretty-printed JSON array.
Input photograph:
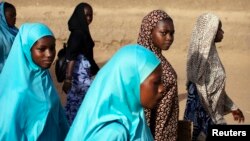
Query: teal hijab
[
  {"x": 7, "y": 36},
  {"x": 111, "y": 109},
  {"x": 29, "y": 105}
]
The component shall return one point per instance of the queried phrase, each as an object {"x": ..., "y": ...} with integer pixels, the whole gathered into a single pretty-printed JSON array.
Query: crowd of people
[{"x": 134, "y": 96}]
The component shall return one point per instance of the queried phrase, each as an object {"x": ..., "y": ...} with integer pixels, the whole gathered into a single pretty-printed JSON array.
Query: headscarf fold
[
  {"x": 114, "y": 98},
  {"x": 204, "y": 68},
  {"x": 163, "y": 120},
  {"x": 7, "y": 36},
  {"x": 29, "y": 103}
]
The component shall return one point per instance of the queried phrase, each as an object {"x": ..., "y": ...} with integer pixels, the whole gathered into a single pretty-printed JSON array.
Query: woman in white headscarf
[{"x": 207, "y": 101}]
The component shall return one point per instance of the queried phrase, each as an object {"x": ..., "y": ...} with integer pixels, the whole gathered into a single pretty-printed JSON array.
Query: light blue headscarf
[
  {"x": 29, "y": 105},
  {"x": 112, "y": 109},
  {"x": 7, "y": 36}
]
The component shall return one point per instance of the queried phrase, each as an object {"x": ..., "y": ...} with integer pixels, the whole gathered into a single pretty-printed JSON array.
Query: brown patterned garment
[{"x": 163, "y": 119}]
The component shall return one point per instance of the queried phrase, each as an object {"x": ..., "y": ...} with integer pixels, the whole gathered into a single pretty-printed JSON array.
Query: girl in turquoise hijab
[
  {"x": 30, "y": 108},
  {"x": 113, "y": 106},
  {"x": 8, "y": 30}
]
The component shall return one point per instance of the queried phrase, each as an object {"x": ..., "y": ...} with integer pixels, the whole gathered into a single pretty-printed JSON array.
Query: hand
[
  {"x": 238, "y": 115},
  {"x": 67, "y": 85}
]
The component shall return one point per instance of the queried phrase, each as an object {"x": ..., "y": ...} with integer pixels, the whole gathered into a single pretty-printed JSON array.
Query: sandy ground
[{"x": 117, "y": 23}]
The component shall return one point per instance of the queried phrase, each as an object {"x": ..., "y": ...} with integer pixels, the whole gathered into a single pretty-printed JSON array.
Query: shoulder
[
  {"x": 76, "y": 36},
  {"x": 76, "y": 33},
  {"x": 112, "y": 131},
  {"x": 116, "y": 127}
]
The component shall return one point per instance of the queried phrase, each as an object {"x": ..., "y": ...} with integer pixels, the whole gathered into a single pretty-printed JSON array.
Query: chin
[
  {"x": 46, "y": 66},
  {"x": 218, "y": 41},
  {"x": 152, "y": 106},
  {"x": 165, "y": 48}
]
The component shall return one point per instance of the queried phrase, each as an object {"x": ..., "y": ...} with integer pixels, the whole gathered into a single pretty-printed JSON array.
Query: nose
[
  {"x": 49, "y": 53},
  {"x": 169, "y": 37},
  {"x": 89, "y": 21},
  {"x": 14, "y": 20},
  {"x": 161, "y": 89}
]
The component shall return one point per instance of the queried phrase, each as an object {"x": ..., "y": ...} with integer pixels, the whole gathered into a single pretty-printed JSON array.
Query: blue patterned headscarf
[
  {"x": 112, "y": 104},
  {"x": 7, "y": 36},
  {"x": 29, "y": 105}
]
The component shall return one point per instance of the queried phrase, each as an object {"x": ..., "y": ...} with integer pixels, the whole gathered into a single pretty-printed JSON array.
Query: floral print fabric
[{"x": 81, "y": 82}]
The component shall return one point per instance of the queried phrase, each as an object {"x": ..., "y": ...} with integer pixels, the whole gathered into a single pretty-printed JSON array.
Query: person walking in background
[
  {"x": 113, "y": 106},
  {"x": 207, "y": 101},
  {"x": 157, "y": 34},
  {"x": 81, "y": 65},
  {"x": 8, "y": 30},
  {"x": 29, "y": 104}
]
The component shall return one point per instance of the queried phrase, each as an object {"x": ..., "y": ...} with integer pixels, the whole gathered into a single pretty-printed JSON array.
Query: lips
[
  {"x": 168, "y": 44},
  {"x": 47, "y": 61}
]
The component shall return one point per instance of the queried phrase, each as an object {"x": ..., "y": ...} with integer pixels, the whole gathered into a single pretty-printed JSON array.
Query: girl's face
[
  {"x": 151, "y": 89},
  {"x": 163, "y": 34},
  {"x": 219, "y": 35},
  {"x": 43, "y": 52},
  {"x": 89, "y": 14},
  {"x": 10, "y": 16}
]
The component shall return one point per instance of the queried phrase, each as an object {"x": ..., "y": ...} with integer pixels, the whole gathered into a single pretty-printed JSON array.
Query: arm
[
  {"x": 72, "y": 52},
  {"x": 94, "y": 67},
  {"x": 69, "y": 69},
  {"x": 231, "y": 107},
  {"x": 68, "y": 80},
  {"x": 90, "y": 55}
]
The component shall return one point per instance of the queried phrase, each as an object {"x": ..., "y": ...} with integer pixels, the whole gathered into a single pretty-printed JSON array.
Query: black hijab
[
  {"x": 78, "y": 24},
  {"x": 78, "y": 21}
]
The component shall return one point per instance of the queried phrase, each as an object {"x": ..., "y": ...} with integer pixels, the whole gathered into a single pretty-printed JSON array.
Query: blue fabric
[
  {"x": 7, "y": 36},
  {"x": 30, "y": 108},
  {"x": 112, "y": 103},
  {"x": 81, "y": 82},
  {"x": 196, "y": 113}
]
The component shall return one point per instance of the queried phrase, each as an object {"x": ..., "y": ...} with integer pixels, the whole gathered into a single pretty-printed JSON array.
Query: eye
[
  {"x": 157, "y": 82},
  {"x": 41, "y": 49},
  {"x": 13, "y": 15},
  {"x": 172, "y": 33},
  {"x": 52, "y": 48},
  {"x": 163, "y": 33}
]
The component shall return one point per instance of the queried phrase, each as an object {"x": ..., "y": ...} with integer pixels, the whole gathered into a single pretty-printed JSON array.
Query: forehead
[
  {"x": 10, "y": 9},
  {"x": 47, "y": 40},
  {"x": 220, "y": 24},
  {"x": 165, "y": 24},
  {"x": 88, "y": 9},
  {"x": 157, "y": 72}
]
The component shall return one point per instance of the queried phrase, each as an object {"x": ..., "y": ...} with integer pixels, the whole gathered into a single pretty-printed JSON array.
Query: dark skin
[
  {"x": 10, "y": 16},
  {"x": 219, "y": 35},
  {"x": 68, "y": 81},
  {"x": 88, "y": 11},
  {"x": 237, "y": 114},
  {"x": 151, "y": 89},
  {"x": 163, "y": 34},
  {"x": 43, "y": 52}
]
